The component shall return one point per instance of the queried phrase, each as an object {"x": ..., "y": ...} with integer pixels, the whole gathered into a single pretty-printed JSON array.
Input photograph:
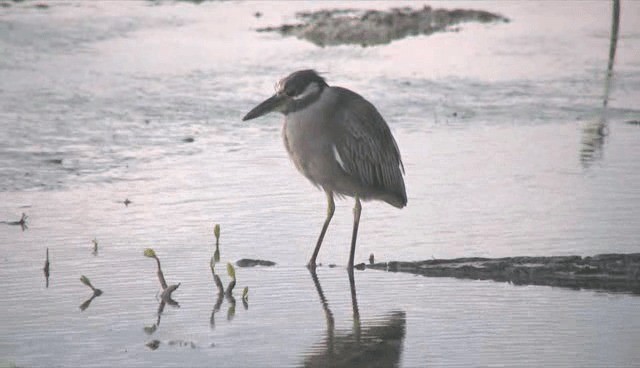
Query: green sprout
[
  {"x": 85, "y": 280},
  {"x": 216, "y": 232},
  {"x": 152, "y": 254},
  {"x": 231, "y": 271},
  {"x": 231, "y": 312},
  {"x": 216, "y": 254},
  {"x": 245, "y": 293}
]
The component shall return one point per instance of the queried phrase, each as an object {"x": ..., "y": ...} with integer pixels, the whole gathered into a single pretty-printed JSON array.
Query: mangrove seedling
[
  {"x": 166, "y": 289},
  {"x": 216, "y": 309},
  {"x": 216, "y": 278},
  {"x": 216, "y": 254},
  {"x": 149, "y": 253},
  {"x": 216, "y": 232},
  {"x": 245, "y": 298},
  {"x": 231, "y": 312},
  {"x": 152, "y": 254},
  {"x": 232, "y": 273}
]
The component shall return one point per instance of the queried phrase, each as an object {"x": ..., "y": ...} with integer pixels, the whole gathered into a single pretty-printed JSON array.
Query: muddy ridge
[
  {"x": 610, "y": 272},
  {"x": 375, "y": 27}
]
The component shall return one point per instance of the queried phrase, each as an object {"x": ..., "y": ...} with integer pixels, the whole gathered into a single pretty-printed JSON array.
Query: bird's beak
[{"x": 273, "y": 103}]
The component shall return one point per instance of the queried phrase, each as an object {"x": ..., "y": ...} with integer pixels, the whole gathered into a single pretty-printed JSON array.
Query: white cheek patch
[
  {"x": 311, "y": 89},
  {"x": 336, "y": 155}
]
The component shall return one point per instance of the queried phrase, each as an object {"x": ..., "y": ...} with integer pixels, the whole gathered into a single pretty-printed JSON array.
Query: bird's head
[{"x": 293, "y": 92}]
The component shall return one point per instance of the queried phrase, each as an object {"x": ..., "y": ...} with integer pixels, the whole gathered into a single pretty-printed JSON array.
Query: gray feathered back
[{"x": 367, "y": 148}]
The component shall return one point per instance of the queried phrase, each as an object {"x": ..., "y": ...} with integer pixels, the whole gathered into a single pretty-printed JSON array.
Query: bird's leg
[
  {"x": 331, "y": 207},
  {"x": 357, "y": 209}
]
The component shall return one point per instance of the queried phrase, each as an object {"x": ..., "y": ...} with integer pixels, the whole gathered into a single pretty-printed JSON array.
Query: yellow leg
[
  {"x": 357, "y": 209},
  {"x": 331, "y": 207}
]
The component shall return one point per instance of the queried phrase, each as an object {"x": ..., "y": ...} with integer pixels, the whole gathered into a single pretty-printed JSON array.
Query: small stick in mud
[
  {"x": 95, "y": 246},
  {"x": 85, "y": 280},
  {"x": 96, "y": 293},
  {"x": 153, "y": 345},
  {"x": 22, "y": 222},
  {"x": 46, "y": 268}
]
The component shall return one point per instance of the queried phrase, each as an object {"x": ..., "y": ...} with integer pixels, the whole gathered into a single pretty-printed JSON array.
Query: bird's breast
[{"x": 309, "y": 146}]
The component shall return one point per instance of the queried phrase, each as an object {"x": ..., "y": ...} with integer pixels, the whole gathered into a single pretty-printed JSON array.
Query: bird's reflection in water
[
  {"x": 593, "y": 138},
  {"x": 594, "y": 133},
  {"x": 377, "y": 344}
]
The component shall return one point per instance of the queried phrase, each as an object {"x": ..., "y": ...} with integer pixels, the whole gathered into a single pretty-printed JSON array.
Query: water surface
[{"x": 98, "y": 100}]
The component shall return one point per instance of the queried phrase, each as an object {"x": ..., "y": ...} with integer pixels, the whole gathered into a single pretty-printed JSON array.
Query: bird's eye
[{"x": 289, "y": 92}]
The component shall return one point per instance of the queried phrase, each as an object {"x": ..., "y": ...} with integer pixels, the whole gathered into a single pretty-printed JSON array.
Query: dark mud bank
[
  {"x": 610, "y": 272},
  {"x": 374, "y": 27}
]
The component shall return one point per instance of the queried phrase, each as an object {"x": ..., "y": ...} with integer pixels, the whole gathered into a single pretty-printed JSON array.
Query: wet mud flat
[
  {"x": 374, "y": 27},
  {"x": 607, "y": 272}
]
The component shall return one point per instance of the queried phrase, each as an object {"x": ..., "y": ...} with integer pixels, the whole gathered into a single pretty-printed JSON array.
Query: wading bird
[{"x": 340, "y": 142}]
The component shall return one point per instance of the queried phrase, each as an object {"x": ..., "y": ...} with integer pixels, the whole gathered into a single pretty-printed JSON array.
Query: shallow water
[{"x": 96, "y": 100}]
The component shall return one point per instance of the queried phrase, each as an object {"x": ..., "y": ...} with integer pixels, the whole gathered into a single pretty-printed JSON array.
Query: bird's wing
[{"x": 366, "y": 146}]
